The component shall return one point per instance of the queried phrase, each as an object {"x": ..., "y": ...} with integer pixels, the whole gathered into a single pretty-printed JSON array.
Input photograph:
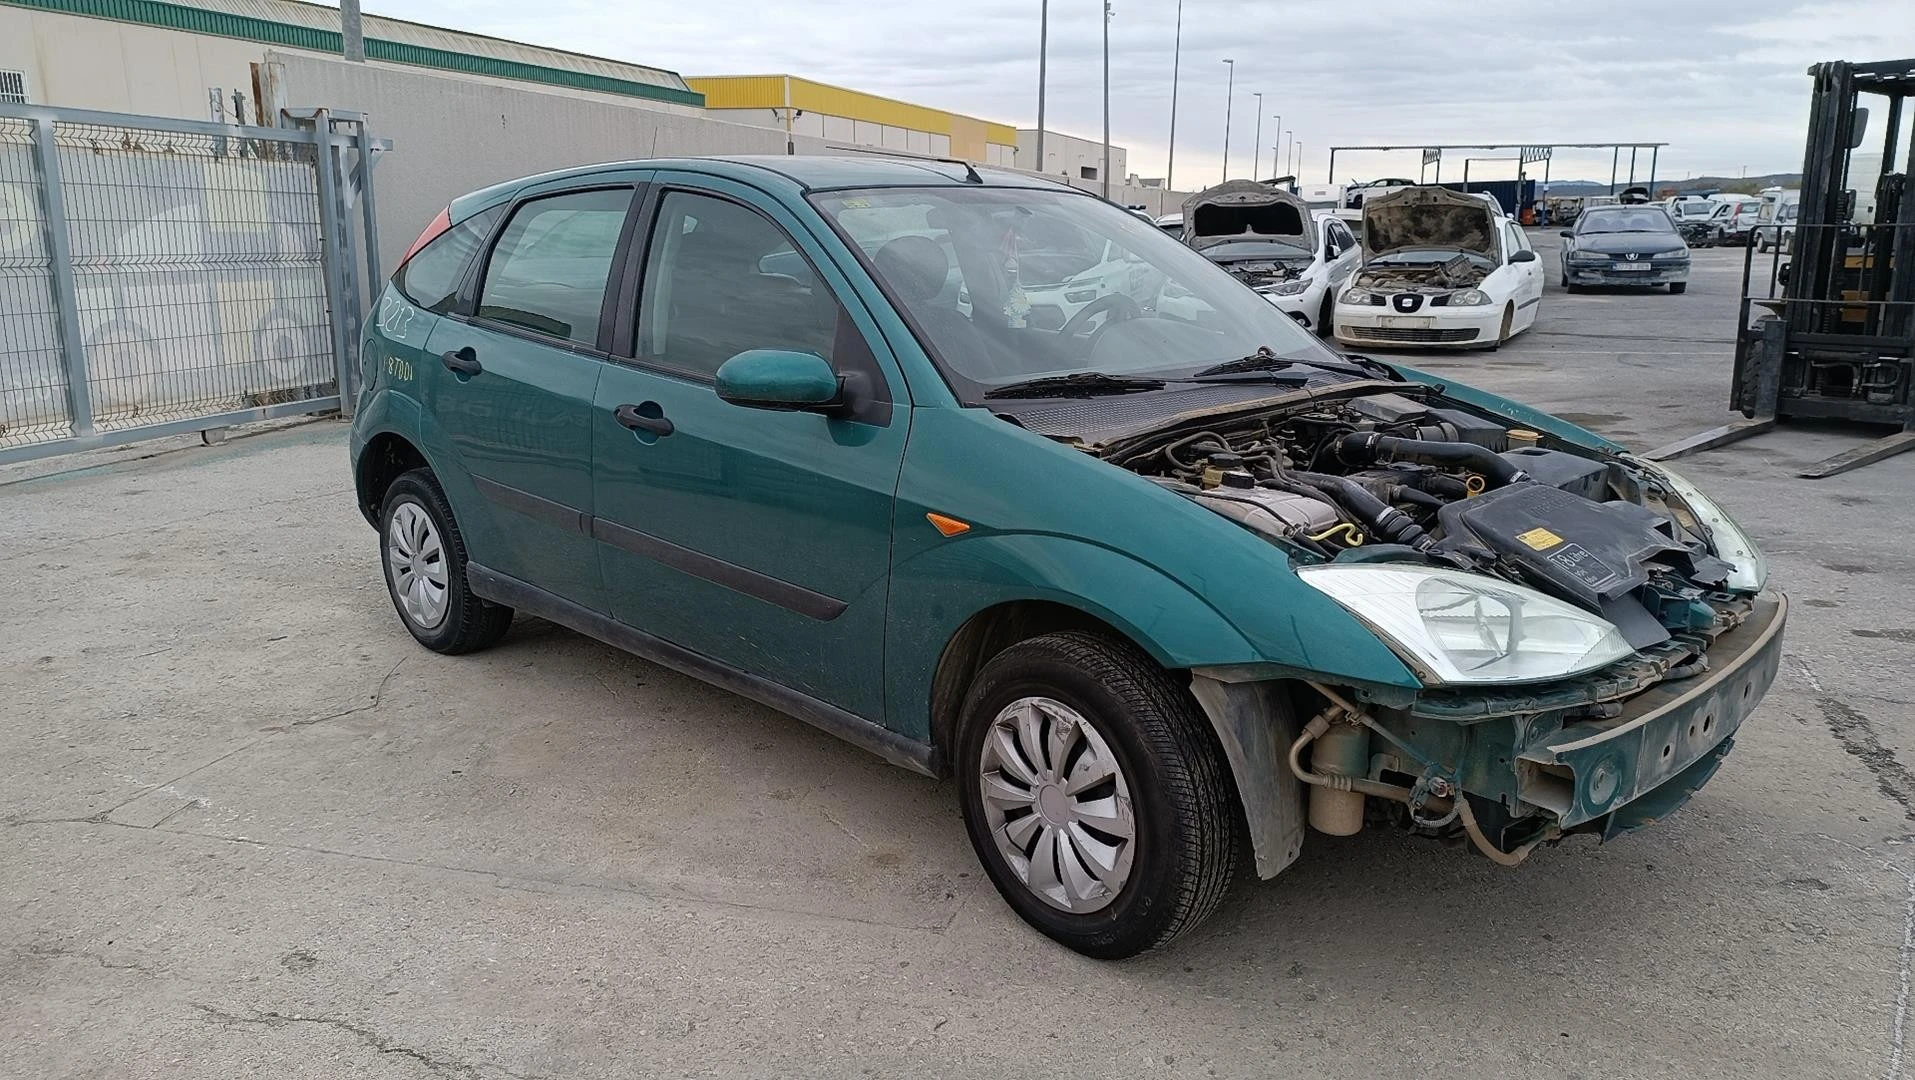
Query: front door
[
  {"x": 756, "y": 538},
  {"x": 514, "y": 393}
]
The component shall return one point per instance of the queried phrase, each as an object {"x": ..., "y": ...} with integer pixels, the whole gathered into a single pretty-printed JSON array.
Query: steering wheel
[{"x": 1119, "y": 308}]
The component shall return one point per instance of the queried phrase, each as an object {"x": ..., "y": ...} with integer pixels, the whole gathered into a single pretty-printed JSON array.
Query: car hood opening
[
  {"x": 1245, "y": 210},
  {"x": 1426, "y": 217}
]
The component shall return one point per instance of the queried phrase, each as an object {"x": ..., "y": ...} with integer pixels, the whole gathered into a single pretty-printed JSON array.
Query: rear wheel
[
  {"x": 1095, "y": 795},
  {"x": 1678, "y": 287},
  {"x": 423, "y": 553}
]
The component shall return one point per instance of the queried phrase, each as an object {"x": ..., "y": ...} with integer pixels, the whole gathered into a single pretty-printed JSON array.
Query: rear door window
[
  {"x": 549, "y": 270},
  {"x": 431, "y": 278}
]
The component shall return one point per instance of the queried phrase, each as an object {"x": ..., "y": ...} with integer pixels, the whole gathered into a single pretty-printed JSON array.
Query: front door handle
[
  {"x": 462, "y": 360},
  {"x": 628, "y": 416}
]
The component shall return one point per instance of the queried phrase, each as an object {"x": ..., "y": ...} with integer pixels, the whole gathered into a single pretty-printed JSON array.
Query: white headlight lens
[
  {"x": 1355, "y": 295},
  {"x": 1750, "y": 570},
  {"x": 1469, "y": 298},
  {"x": 1467, "y": 628},
  {"x": 1285, "y": 288}
]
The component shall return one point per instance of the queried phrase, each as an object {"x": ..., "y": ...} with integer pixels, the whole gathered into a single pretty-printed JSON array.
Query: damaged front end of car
[
  {"x": 1589, "y": 630},
  {"x": 1261, "y": 235}
]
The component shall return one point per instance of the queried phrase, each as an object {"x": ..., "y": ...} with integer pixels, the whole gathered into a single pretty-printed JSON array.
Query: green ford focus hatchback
[{"x": 999, "y": 482}]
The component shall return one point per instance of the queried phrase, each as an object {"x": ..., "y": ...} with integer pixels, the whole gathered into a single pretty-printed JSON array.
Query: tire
[
  {"x": 1509, "y": 321},
  {"x": 1677, "y": 288},
  {"x": 430, "y": 593},
  {"x": 1326, "y": 316},
  {"x": 1150, "y": 737}
]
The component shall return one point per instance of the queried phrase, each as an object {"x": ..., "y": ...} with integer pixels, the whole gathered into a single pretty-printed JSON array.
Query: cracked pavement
[{"x": 248, "y": 828}]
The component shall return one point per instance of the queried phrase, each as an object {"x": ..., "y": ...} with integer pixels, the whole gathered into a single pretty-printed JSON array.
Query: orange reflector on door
[{"x": 949, "y": 526}]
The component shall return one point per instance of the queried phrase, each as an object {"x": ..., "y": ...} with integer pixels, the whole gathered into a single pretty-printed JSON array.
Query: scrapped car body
[
  {"x": 1440, "y": 269},
  {"x": 1162, "y": 587},
  {"x": 1624, "y": 245},
  {"x": 1269, "y": 239},
  {"x": 1729, "y": 221}
]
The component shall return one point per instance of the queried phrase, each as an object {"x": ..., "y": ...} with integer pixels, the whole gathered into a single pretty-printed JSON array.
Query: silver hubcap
[
  {"x": 417, "y": 560},
  {"x": 1057, "y": 804}
]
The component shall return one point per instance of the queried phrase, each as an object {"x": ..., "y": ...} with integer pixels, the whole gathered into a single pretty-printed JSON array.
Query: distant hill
[{"x": 1749, "y": 185}]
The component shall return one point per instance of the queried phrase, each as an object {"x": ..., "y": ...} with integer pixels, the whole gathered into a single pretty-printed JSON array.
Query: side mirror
[
  {"x": 1567, "y": 233},
  {"x": 780, "y": 379},
  {"x": 1522, "y": 256}
]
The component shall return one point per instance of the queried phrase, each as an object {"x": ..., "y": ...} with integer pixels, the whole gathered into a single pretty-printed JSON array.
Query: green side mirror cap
[{"x": 779, "y": 379}]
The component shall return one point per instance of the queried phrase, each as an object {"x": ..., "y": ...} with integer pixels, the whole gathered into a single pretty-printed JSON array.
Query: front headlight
[
  {"x": 1589, "y": 256},
  {"x": 1732, "y": 545},
  {"x": 1469, "y": 298},
  {"x": 1672, "y": 253},
  {"x": 1361, "y": 297},
  {"x": 1285, "y": 288},
  {"x": 1467, "y": 629}
]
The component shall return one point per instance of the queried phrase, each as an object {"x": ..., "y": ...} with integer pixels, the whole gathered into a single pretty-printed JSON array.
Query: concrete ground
[{"x": 248, "y": 828}]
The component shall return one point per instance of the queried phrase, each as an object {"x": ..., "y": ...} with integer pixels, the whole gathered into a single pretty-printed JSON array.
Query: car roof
[{"x": 805, "y": 172}]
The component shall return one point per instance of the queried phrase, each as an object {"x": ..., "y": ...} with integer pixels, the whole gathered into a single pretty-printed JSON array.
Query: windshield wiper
[
  {"x": 1266, "y": 359},
  {"x": 1080, "y": 384}
]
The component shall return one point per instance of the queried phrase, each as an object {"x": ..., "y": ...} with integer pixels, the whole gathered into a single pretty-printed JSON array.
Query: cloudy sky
[{"x": 1722, "y": 83}]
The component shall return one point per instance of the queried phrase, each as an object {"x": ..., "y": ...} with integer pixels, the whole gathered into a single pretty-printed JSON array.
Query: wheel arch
[
  {"x": 988, "y": 633},
  {"x": 386, "y": 456}
]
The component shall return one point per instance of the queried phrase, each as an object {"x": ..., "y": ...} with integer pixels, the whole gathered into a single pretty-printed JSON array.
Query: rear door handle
[
  {"x": 628, "y": 416},
  {"x": 462, "y": 360}
]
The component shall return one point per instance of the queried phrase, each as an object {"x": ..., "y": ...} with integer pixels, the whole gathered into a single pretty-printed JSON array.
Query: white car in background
[
  {"x": 1270, "y": 240},
  {"x": 1442, "y": 269}
]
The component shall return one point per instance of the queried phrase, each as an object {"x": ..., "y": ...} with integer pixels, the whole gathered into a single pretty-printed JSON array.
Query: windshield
[
  {"x": 1232, "y": 250},
  {"x": 1634, "y": 220},
  {"x": 963, "y": 264}
]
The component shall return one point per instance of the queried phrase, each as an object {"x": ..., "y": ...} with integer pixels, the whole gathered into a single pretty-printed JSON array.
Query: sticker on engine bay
[
  {"x": 1539, "y": 539},
  {"x": 1584, "y": 567}
]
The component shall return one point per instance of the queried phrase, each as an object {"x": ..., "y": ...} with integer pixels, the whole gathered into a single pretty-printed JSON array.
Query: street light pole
[
  {"x": 1286, "y": 149},
  {"x": 1043, "y": 48},
  {"x": 1257, "y": 139},
  {"x": 1276, "y": 167},
  {"x": 1104, "y": 173},
  {"x": 1176, "y": 61},
  {"x": 1230, "y": 91},
  {"x": 1296, "y": 160}
]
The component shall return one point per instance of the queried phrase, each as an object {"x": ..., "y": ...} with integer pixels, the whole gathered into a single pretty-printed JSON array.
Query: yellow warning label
[{"x": 1540, "y": 539}]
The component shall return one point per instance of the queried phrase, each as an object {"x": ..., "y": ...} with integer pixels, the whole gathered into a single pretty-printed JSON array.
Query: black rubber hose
[
  {"x": 1390, "y": 525},
  {"x": 1405, "y": 493},
  {"x": 1368, "y": 448}
]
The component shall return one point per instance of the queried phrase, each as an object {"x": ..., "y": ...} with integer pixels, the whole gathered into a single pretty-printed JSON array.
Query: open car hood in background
[
  {"x": 1246, "y": 210},
  {"x": 1429, "y": 217}
]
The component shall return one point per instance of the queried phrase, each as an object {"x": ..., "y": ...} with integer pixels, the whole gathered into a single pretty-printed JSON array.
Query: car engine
[
  {"x": 1461, "y": 272},
  {"x": 1395, "y": 476}
]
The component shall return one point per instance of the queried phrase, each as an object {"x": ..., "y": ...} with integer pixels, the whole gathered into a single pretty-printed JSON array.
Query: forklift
[{"x": 1831, "y": 334}]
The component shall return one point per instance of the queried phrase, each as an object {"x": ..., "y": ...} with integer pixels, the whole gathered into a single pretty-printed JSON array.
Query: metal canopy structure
[{"x": 1526, "y": 154}]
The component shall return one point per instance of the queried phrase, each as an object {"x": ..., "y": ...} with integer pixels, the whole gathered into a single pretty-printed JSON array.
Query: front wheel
[
  {"x": 1095, "y": 794},
  {"x": 424, "y": 557},
  {"x": 1326, "y": 315},
  {"x": 1677, "y": 288}
]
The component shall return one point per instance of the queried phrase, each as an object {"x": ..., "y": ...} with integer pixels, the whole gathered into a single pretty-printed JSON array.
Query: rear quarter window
[{"x": 431, "y": 278}]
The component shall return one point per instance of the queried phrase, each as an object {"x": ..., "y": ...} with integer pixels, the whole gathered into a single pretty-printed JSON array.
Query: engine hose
[
  {"x": 1447, "y": 488},
  {"x": 1362, "y": 785},
  {"x": 1369, "y": 448},
  {"x": 1390, "y": 525},
  {"x": 1408, "y": 494}
]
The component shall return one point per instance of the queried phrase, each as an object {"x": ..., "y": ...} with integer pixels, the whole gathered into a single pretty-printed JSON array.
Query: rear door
[
  {"x": 514, "y": 378},
  {"x": 755, "y": 538}
]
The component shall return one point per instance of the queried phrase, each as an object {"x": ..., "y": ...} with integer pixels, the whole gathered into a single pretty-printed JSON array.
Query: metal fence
[{"x": 164, "y": 276}]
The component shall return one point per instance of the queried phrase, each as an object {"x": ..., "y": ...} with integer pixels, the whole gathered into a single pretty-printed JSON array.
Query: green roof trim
[{"x": 221, "y": 24}]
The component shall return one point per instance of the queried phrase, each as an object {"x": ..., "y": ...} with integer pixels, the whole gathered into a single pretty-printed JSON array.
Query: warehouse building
[
  {"x": 854, "y": 118},
  {"x": 162, "y": 59},
  {"x": 1071, "y": 157}
]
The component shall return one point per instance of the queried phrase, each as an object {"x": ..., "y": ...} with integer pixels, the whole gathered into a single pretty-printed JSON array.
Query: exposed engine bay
[
  {"x": 1461, "y": 272},
  {"x": 1408, "y": 476}
]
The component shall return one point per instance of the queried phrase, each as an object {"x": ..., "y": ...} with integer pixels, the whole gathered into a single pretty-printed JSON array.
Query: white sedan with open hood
[
  {"x": 1268, "y": 239},
  {"x": 1443, "y": 269}
]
